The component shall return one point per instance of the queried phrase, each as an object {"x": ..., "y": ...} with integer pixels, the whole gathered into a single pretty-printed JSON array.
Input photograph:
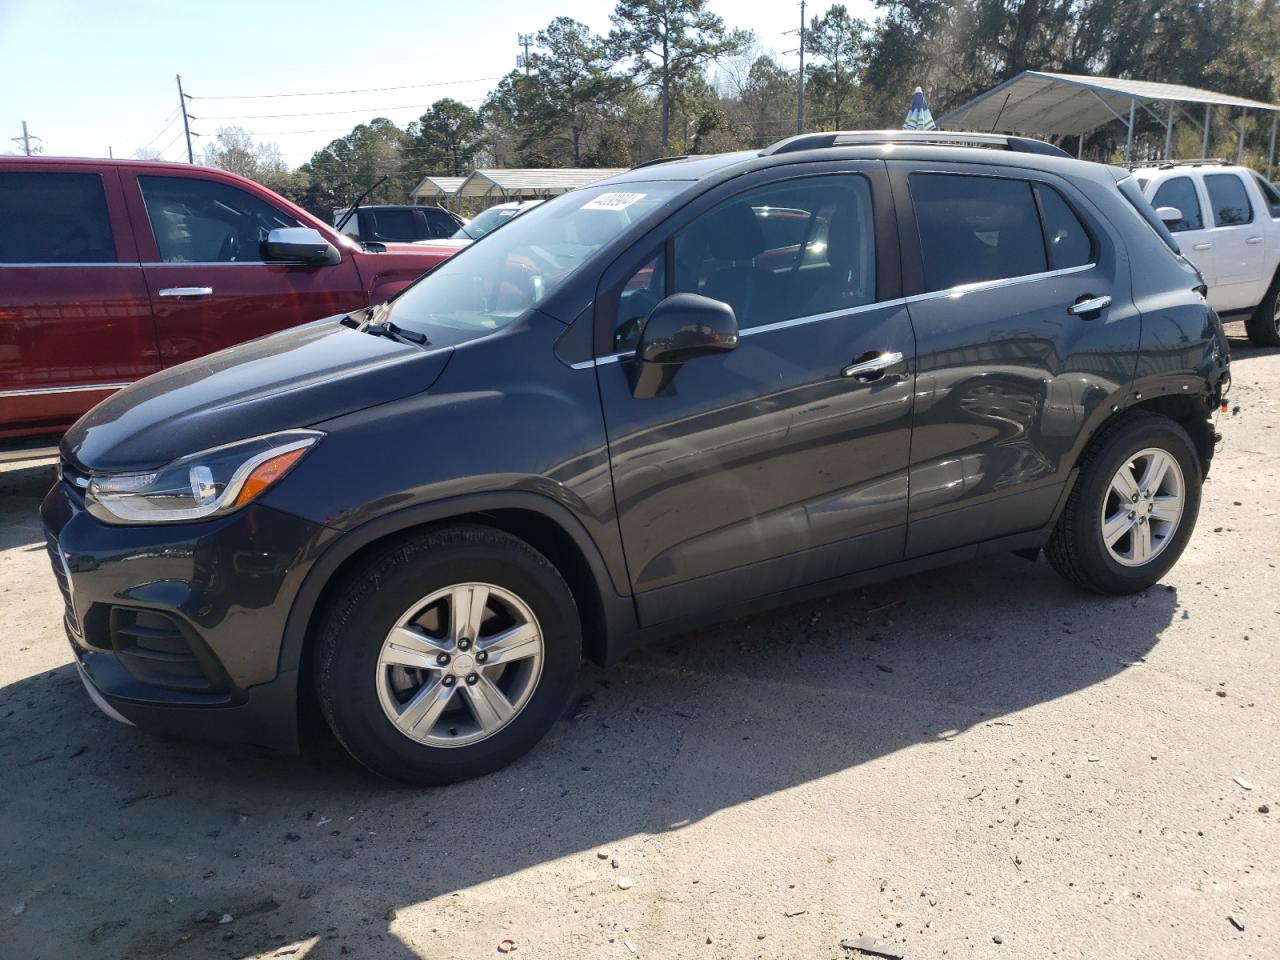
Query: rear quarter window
[{"x": 54, "y": 218}]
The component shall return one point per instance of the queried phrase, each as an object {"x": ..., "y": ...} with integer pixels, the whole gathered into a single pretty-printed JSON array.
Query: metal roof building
[
  {"x": 520, "y": 182},
  {"x": 436, "y": 188},
  {"x": 1065, "y": 104}
]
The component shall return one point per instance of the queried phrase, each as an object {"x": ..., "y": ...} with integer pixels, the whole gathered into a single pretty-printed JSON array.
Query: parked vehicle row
[
  {"x": 702, "y": 387},
  {"x": 1227, "y": 222},
  {"x": 113, "y": 270}
]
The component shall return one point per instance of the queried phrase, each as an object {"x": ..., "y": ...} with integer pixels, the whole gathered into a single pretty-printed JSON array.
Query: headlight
[{"x": 202, "y": 485}]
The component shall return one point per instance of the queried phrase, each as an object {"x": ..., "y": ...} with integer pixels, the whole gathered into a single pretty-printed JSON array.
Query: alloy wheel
[
  {"x": 1142, "y": 507},
  {"x": 459, "y": 664}
]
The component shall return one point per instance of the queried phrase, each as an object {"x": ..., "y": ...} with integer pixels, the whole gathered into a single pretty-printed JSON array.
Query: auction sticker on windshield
[{"x": 613, "y": 201}]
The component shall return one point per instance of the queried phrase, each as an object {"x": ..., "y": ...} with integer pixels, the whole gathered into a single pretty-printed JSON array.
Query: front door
[
  {"x": 203, "y": 265},
  {"x": 1024, "y": 328},
  {"x": 766, "y": 467}
]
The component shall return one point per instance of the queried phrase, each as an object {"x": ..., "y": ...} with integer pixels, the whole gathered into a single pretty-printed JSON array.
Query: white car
[{"x": 1226, "y": 219}]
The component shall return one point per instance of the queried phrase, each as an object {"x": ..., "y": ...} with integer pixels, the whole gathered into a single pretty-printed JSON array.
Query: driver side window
[{"x": 204, "y": 221}]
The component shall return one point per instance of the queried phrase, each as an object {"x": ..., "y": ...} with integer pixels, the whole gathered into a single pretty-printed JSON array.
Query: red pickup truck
[{"x": 113, "y": 269}]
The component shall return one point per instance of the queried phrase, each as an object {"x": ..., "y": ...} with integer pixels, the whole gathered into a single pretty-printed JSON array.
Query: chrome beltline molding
[{"x": 950, "y": 292}]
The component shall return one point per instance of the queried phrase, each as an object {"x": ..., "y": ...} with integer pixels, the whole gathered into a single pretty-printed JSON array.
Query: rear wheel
[
  {"x": 447, "y": 656},
  {"x": 1263, "y": 325},
  {"x": 1133, "y": 508}
]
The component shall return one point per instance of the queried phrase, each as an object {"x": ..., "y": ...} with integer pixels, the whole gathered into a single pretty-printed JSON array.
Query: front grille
[
  {"x": 60, "y": 572},
  {"x": 155, "y": 649}
]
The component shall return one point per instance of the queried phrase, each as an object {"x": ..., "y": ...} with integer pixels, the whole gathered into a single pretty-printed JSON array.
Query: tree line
[{"x": 671, "y": 77}]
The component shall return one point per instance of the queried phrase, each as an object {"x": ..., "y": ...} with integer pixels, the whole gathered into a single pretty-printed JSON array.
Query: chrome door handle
[
  {"x": 1202, "y": 246},
  {"x": 1254, "y": 240},
  {"x": 1092, "y": 305},
  {"x": 867, "y": 368},
  {"x": 186, "y": 291}
]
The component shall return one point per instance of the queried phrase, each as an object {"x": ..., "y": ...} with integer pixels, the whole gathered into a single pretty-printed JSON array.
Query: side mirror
[
  {"x": 300, "y": 245},
  {"x": 1169, "y": 216},
  {"x": 681, "y": 327}
]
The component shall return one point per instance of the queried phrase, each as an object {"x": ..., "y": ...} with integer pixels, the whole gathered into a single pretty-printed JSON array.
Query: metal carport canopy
[
  {"x": 1067, "y": 104},
  {"x": 532, "y": 182},
  {"x": 436, "y": 188}
]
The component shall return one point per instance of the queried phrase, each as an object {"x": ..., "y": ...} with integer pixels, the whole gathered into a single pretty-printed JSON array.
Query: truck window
[
  {"x": 54, "y": 218},
  {"x": 1228, "y": 199},
  {"x": 439, "y": 224},
  {"x": 1270, "y": 194},
  {"x": 204, "y": 221},
  {"x": 1180, "y": 192},
  {"x": 395, "y": 225},
  {"x": 976, "y": 228}
]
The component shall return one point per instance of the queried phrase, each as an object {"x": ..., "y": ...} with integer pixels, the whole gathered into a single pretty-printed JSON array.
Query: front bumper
[{"x": 177, "y": 628}]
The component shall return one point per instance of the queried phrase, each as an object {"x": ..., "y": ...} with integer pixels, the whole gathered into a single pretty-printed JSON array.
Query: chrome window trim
[
  {"x": 74, "y": 388},
  {"x": 950, "y": 292},
  {"x": 981, "y": 285}
]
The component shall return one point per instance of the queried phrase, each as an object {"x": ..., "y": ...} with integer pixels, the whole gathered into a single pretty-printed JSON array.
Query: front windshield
[
  {"x": 493, "y": 282},
  {"x": 486, "y": 222}
]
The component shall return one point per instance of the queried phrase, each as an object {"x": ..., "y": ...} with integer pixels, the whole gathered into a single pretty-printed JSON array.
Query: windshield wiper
[{"x": 383, "y": 328}]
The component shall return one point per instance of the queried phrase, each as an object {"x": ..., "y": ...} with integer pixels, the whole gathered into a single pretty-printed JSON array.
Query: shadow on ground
[{"x": 150, "y": 835}]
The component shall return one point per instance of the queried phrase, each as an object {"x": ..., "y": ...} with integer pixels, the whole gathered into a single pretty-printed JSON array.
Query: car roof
[{"x": 724, "y": 165}]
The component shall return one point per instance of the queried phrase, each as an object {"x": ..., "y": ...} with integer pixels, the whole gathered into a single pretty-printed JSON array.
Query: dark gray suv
[{"x": 708, "y": 385}]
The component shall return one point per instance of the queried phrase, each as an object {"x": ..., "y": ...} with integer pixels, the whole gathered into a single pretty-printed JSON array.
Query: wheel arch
[{"x": 537, "y": 520}]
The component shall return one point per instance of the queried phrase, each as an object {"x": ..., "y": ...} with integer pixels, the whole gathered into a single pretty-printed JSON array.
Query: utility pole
[
  {"x": 186, "y": 124},
  {"x": 525, "y": 40},
  {"x": 25, "y": 139},
  {"x": 800, "y": 97}
]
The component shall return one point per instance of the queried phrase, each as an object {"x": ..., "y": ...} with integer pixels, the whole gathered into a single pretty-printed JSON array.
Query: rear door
[
  {"x": 75, "y": 318},
  {"x": 1010, "y": 367},
  {"x": 1193, "y": 232},
  {"x": 200, "y": 239},
  {"x": 765, "y": 467},
  {"x": 1238, "y": 242}
]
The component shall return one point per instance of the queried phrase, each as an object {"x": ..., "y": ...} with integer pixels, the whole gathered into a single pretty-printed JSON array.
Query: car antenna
[{"x": 351, "y": 210}]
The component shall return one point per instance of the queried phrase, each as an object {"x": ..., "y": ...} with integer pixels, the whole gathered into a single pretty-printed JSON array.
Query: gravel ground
[{"x": 975, "y": 762}]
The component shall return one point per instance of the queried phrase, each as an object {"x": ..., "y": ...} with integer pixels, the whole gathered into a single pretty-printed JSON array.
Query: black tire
[
  {"x": 1076, "y": 548},
  {"x": 1263, "y": 325},
  {"x": 380, "y": 590}
]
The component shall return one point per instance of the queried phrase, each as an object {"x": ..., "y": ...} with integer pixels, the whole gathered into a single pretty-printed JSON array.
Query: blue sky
[{"x": 89, "y": 75}]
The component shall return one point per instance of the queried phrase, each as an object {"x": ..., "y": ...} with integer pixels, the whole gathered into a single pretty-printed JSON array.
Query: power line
[
  {"x": 163, "y": 130},
  {"x": 321, "y": 113},
  {"x": 334, "y": 93}
]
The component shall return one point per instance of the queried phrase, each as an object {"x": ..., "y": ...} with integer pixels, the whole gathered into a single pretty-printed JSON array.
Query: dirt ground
[{"x": 975, "y": 762}]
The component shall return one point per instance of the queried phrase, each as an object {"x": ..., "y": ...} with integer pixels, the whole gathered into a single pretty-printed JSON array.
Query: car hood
[{"x": 289, "y": 379}]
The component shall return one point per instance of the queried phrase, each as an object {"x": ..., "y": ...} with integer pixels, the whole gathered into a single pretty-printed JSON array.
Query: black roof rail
[
  {"x": 657, "y": 160},
  {"x": 940, "y": 138}
]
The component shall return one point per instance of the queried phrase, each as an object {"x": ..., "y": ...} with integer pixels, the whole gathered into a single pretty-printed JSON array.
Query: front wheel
[
  {"x": 448, "y": 656},
  {"x": 1133, "y": 507},
  {"x": 1263, "y": 325}
]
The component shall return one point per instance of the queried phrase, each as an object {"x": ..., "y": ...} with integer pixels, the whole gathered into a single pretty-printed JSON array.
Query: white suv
[{"x": 1228, "y": 225}]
